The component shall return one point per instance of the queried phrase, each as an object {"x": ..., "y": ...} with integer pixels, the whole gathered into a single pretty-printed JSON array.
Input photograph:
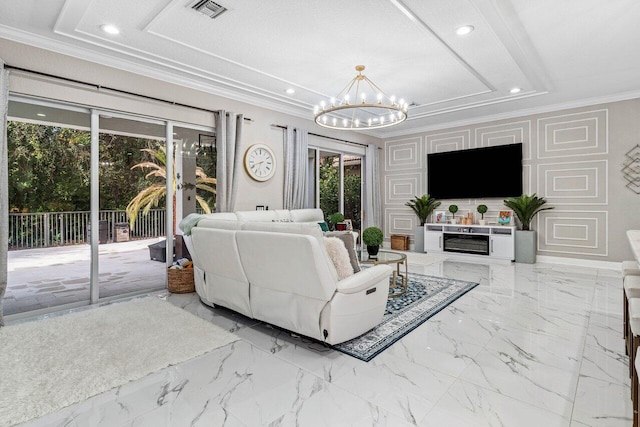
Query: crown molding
[
  {"x": 225, "y": 90},
  {"x": 587, "y": 102}
]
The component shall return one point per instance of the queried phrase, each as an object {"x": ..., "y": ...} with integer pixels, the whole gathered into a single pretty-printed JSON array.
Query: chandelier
[{"x": 360, "y": 107}]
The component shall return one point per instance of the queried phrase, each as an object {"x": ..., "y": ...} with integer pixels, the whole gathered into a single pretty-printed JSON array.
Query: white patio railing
[{"x": 40, "y": 230}]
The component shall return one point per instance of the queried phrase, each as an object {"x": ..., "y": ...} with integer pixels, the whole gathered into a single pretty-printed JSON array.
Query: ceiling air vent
[{"x": 209, "y": 8}]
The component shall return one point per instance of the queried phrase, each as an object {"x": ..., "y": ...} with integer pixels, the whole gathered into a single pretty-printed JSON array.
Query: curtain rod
[
  {"x": 98, "y": 87},
  {"x": 327, "y": 137}
]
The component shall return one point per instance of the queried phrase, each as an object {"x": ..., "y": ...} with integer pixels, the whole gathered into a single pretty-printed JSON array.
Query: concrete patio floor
[{"x": 48, "y": 277}]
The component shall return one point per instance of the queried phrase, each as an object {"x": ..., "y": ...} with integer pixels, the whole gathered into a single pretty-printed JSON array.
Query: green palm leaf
[
  {"x": 151, "y": 196},
  {"x": 526, "y": 207},
  {"x": 423, "y": 206}
]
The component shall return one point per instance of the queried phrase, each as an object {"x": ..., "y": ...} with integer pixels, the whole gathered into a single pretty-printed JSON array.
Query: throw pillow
[
  {"x": 323, "y": 226},
  {"x": 347, "y": 239},
  {"x": 339, "y": 256}
]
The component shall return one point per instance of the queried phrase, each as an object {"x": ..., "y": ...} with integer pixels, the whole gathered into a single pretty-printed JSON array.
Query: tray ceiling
[{"x": 561, "y": 54}]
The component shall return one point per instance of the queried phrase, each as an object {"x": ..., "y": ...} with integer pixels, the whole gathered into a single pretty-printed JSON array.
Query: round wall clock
[{"x": 260, "y": 162}]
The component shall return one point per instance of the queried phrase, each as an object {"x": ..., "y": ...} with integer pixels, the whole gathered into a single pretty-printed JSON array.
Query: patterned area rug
[{"x": 425, "y": 296}]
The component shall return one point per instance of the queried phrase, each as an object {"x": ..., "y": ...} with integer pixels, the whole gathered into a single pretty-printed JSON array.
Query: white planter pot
[
  {"x": 482, "y": 221},
  {"x": 526, "y": 246},
  {"x": 418, "y": 239}
]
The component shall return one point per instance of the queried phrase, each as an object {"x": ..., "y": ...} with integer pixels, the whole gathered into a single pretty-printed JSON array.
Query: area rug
[
  {"x": 425, "y": 296},
  {"x": 48, "y": 364}
]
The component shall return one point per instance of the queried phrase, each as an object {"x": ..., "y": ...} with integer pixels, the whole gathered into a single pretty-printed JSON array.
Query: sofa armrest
[{"x": 364, "y": 279}]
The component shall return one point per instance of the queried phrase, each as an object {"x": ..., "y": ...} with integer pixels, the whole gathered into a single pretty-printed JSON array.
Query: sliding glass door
[
  {"x": 49, "y": 150},
  {"x": 330, "y": 179},
  {"x": 335, "y": 183},
  {"x": 352, "y": 189},
  {"x": 77, "y": 174},
  {"x": 132, "y": 190}
]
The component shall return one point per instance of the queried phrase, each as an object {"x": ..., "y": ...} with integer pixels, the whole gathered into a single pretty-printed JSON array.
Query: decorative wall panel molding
[
  {"x": 400, "y": 188},
  {"x": 575, "y": 134},
  {"x": 403, "y": 154},
  {"x": 448, "y": 141},
  {"x": 573, "y": 232},
  {"x": 631, "y": 169},
  {"x": 509, "y": 133},
  {"x": 574, "y": 183},
  {"x": 399, "y": 221},
  {"x": 527, "y": 179},
  {"x": 566, "y": 160}
]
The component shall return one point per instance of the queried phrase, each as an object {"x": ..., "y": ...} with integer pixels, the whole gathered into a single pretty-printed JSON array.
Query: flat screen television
[{"x": 476, "y": 173}]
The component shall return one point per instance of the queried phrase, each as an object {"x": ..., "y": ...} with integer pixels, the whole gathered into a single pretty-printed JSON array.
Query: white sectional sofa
[{"x": 273, "y": 266}]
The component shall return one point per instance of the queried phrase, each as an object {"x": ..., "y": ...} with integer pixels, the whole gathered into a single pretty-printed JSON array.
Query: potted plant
[
  {"x": 525, "y": 208},
  {"x": 335, "y": 219},
  {"x": 482, "y": 209},
  {"x": 372, "y": 237},
  {"x": 423, "y": 207},
  {"x": 453, "y": 209}
]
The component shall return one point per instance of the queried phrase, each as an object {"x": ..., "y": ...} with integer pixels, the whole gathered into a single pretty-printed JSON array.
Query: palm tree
[{"x": 149, "y": 197}]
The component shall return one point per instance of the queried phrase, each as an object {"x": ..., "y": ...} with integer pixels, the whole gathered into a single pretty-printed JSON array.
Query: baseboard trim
[{"x": 605, "y": 265}]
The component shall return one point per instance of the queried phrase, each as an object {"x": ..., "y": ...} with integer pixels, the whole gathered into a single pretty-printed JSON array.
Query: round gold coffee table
[{"x": 389, "y": 257}]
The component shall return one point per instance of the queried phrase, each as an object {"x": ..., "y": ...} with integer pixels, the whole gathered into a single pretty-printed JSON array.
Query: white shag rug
[{"x": 48, "y": 364}]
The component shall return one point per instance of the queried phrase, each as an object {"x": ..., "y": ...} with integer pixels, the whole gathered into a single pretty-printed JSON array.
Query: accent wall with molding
[{"x": 581, "y": 160}]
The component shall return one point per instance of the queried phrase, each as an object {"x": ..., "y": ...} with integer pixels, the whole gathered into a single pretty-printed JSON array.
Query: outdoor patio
[{"x": 47, "y": 277}]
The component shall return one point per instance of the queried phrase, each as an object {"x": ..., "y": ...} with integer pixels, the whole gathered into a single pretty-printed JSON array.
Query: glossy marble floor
[{"x": 533, "y": 345}]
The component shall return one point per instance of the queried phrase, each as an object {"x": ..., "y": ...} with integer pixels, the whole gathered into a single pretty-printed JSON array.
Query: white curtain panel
[
  {"x": 228, "y": 164},
  {"x": 372, "y": 202},
  {"x": 296, "y": 147},
  {"x": 4, "y": 183}
]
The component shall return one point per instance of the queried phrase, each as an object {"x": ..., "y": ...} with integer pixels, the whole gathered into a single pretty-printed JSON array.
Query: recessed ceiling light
[
  {"x": 290, "y": 91},
  {"x": 515, "y": 90},
  {"x": 41, "y": 115},
  {"x": 464, "y": 30},
  {"x": 110, "y": 29}
]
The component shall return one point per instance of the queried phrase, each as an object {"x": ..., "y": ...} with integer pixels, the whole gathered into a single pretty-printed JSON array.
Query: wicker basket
[{"x": 180, "y": 280}]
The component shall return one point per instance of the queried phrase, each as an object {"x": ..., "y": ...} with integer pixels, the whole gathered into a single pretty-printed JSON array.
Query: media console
[{"x": 495, "y": 241}]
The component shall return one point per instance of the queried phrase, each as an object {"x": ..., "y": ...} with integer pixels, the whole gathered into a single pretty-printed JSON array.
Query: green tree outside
[
  {"x": 50, "y": 168},
  {"x": 330, "y": 188}
]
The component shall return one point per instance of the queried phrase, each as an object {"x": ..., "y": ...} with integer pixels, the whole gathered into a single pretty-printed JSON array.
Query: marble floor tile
[
  {"x": 532, "y": 345},
  {"x": 602, "y": 403},
  {"x": 469, "y": 405},
  {"x": 306, "y": 401},
  {"x": 605, "y": 365},
  {"x": 302, "y": 352},
  {"x": 542, "y": 372},
  {"x": 444, "y": 343},
  {"x": 399, "y": 386},
  {"x": 606, "y": 334}
]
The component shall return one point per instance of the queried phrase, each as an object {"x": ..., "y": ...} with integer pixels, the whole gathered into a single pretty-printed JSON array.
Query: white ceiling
[{"x": 562, "y": 53}]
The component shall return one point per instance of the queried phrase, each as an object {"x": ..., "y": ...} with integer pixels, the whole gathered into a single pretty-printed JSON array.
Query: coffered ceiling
[{"x": 559, "y": 53}]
